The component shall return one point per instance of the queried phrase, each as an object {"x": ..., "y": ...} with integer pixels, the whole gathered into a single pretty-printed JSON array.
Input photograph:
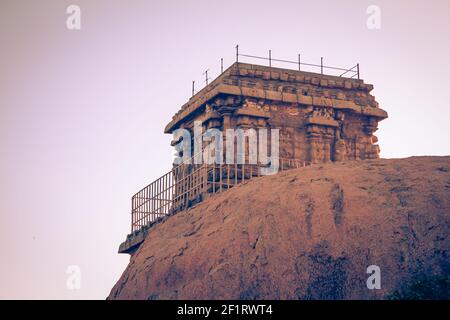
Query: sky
[{"x": 82, "y": 112}]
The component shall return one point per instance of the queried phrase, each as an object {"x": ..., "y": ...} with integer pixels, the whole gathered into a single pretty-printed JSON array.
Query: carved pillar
[
  {"x": 320, "y": 130},
  {"x": 371, "y": 149},
  {"x": 340, "y": 148}
]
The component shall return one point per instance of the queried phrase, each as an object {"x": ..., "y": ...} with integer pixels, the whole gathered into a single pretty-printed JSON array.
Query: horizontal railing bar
[
  {"x": 250, "y": 56},
  {"x": 349, "y": 70},
  {"x": 297, "y": 63}
]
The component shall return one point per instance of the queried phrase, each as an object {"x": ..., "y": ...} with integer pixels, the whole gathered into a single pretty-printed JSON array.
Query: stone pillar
[
  {"x": 340, "y": 148},
  {"x": 320, "y": 130},
  {"x": 371, "y": 150}
]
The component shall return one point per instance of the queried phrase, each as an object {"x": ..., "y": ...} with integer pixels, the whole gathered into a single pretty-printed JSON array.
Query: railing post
[
  {"x": 220, "y": 178},
  {"x": 299, "y": 63},
  {"x": 206, "y": 76},
  {"x": 193, "y": 88},
  {"x": 214, "y": 177},
  {"x": 228, "y": 176},
  {"x": 221, "y": 65},
  {"x": 237, "y": 53},
  {"x": 132, "y": 213},
  {"x": 321, "y": 65},
  {"x": 357, "y": 68},
  {"x": 205, "y": 178},
  {"x": 270, "y": 58}
]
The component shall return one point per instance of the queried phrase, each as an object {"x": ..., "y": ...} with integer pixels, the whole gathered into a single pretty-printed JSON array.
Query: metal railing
[
  {"x": 188, "y": 184},
  {"x": 351, "y": 73}
]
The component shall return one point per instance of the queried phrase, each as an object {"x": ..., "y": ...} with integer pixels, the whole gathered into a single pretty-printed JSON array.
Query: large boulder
[{"x": 308, "y": 233}]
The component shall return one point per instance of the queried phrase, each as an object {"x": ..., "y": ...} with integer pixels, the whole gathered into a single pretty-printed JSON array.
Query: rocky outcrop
[{"x": 308, "y": 233}]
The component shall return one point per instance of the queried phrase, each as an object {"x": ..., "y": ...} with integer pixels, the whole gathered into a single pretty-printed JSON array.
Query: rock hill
[{"x": 308, "y": 233}]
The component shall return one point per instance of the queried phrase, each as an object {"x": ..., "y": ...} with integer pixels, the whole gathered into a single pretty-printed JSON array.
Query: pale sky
[{"x": 82, "y": 112}]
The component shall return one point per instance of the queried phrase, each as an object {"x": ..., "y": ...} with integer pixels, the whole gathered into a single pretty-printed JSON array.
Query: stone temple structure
[{"x": 320, "y": 118}]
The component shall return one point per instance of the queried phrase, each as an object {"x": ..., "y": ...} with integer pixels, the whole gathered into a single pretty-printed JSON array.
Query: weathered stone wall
[{"x": 321, "y": 118}]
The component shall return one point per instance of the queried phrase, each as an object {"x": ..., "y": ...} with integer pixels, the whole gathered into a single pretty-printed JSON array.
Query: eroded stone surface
[
  {"x": 321, "y": 118},
  {"x": 307, "y": 233}
]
